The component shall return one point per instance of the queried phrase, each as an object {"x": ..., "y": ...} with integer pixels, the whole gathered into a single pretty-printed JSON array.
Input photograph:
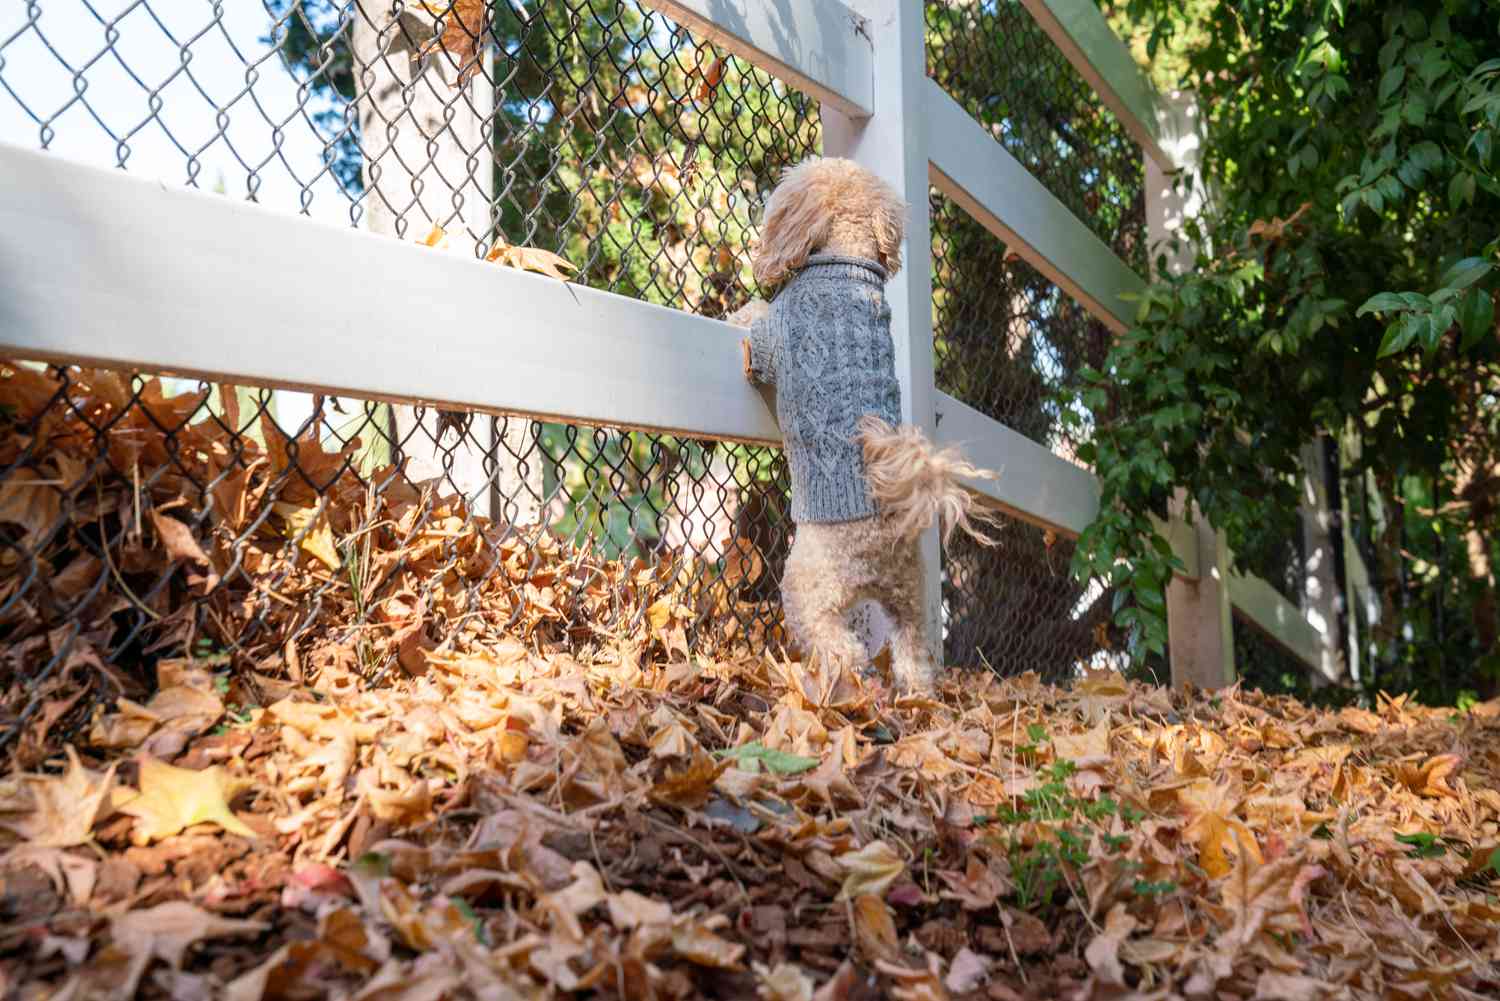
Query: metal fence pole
[{"x": 893, "y": 144}]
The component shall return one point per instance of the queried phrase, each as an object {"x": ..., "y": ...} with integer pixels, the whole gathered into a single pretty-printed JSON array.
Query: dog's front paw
[{"x": 749, "y": 313}]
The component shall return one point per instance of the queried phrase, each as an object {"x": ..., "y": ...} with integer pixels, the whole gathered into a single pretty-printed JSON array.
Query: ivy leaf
[
  {"x": 1391, "y": 80},
  {"x": 1461, "y": 190},
  {"x": 1398, "y": 336},
  {"x": 1476, "y": 317},
  {"x": 776, "y": 761},
  {"x": 1466, "y": 272},
  {"x": 1385, "y": 302}
]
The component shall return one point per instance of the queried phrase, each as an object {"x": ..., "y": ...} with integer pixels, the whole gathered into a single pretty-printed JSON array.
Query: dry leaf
[
  {"x": 172, "y": 799},
  {"x": 870, "y": 870},
  {"x": 60, "y": 812},
  {"x": 967, "y": 971},
  {"x": 530, "y": 259},
  {"x": 693, "y": 941}
]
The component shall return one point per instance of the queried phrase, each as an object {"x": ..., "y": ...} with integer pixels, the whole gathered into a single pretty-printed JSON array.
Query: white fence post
[
  {"x": 893, "y": 144},
  {"x": 1322, "y": 601},
  {"x": 1200, "y": 619}
]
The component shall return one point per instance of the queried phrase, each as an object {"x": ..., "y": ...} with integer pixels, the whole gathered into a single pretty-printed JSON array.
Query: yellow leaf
[
  {"x": 871, "y": 870},
  {"x": 309, "y": 527},
  {"x": 1214, "y": 827},
  {"x": 530, "y": 259},
  {"x": 1089, "y": 747},
  {"x": 173, "y": 799}
]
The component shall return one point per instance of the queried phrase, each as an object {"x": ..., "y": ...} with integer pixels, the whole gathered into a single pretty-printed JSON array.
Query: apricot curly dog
[{"x": 863, "y": 486}]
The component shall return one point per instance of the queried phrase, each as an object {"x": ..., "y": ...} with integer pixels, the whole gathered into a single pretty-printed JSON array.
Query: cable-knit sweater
[{"x": 825, "y": 344}]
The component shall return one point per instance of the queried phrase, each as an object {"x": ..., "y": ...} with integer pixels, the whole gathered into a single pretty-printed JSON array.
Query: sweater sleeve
[{"x": 762, "y": 352}]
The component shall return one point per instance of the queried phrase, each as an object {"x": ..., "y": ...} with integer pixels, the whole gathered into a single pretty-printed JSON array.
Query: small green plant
[
  {"x": 209, "y": 654},
  {"x": 1031, "y": 752},
  {"x": 1145, "y": 888},
  {"x": 1040, "y": 866},
  {"x": 1423, "y": 845}
]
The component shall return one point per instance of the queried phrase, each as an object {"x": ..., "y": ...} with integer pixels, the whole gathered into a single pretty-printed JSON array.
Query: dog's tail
[{"x": 914, "y": 483}]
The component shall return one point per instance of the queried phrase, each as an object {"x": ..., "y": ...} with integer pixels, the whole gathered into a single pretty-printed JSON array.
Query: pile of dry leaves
[
  {"x": 137, "y": 523},
  {"x": 509, "y": 825},
  {"x": 640, "y": 817}
]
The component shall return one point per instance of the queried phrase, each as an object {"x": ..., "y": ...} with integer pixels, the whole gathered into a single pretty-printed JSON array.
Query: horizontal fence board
[
  {"x": 100, "y": 267},
  {"x": 1033, "y": 484},
  {"x": 1081, "y": 33},
  {"x": 96, "y": 265},
  {"x": 971, "y": 167},
  {"x": 818, "y": 46},
  {"x": 1283, "y": 623}
]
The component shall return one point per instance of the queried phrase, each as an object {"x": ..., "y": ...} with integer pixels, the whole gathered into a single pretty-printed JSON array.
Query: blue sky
[{"x": 146, "y": 59}]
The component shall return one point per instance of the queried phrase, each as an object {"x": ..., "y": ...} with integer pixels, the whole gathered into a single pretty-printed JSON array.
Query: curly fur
[
  {"x": 835, "y": 206},
  {"x": 829, "y": 204},
  {"x": 834, "y": 567},
  {"x": 914, "y": 483}
]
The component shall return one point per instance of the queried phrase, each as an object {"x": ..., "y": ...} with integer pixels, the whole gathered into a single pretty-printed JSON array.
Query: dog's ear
[
  {"x": 889, "y": 222},
  {"x": 796, "y": 223}
]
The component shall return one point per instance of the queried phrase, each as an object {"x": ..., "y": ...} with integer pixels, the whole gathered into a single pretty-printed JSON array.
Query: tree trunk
[{"x": 427, "y": 161}]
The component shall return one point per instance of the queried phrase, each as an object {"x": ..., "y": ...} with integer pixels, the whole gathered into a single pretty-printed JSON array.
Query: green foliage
[
  {"x": 754, "y": 754},
  {"x": 1345, "y": 289},
  {"x": 1047, "y": 838},
  {"x": 1423, "y": 845}
]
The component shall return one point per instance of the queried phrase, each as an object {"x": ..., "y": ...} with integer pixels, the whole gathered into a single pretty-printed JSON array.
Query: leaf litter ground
[{"x": 516, "y": 814}]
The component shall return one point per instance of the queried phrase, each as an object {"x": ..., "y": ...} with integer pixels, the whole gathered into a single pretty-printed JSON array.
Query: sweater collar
[{"x": 841, "y": 266}]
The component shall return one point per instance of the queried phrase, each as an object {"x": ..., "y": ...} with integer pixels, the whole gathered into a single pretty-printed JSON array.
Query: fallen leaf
[
  {"x": 693, "y": 941},
  {"x": 750, "y": 755},
  {"x": 172, "y": 799},
  {"x": 967, "y": 971},
  {"x": 62, "y": 810},
  {"x": 870, "y": 870}
]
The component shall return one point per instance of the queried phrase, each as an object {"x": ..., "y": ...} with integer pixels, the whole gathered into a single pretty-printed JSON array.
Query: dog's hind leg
[
  {"x": 818, "y": 588},
  {"x": 901, "y": 594}
]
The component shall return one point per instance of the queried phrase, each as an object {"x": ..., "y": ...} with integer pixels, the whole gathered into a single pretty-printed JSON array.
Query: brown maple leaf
[
  {"x": 62, "y": 810},
  {"x": 465, "y": 25}
]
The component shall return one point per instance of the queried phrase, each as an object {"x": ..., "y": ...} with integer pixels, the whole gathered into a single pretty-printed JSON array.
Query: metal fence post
[
  {"x": 1200, "y": 619},
  {"x": 893, "y": 144}
]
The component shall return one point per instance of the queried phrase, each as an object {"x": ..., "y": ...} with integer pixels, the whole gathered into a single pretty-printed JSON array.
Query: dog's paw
[{"x": 749, "y": 313}]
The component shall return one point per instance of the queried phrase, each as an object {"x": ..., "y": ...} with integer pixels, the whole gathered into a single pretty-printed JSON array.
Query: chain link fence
[
  {"x": 143, "y": 517},
  {"x": 1006, "y": 340}
]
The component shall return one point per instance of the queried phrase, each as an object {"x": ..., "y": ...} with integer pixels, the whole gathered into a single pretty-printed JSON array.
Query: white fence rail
[{"x": 99, "y": 266}]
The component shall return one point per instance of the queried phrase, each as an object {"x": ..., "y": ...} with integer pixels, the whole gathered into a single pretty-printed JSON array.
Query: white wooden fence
[{"x": 100, "y": 267}]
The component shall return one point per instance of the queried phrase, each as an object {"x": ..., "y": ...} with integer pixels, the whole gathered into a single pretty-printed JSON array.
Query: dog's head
[{"x": 823, "y": 198}]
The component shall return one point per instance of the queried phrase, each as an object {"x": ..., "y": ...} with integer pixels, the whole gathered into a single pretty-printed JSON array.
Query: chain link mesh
[
  {"x": 600, "y": 131},
  {"x": 1006, "y": 340},
  {"x": 142, "y": 517}
]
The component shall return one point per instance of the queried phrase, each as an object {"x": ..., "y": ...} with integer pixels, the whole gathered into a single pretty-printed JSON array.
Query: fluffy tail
[{"x": 915, "y": 483}]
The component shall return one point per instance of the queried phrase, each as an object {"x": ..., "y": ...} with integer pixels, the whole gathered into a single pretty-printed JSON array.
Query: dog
[{"x": 864, "y": 487}]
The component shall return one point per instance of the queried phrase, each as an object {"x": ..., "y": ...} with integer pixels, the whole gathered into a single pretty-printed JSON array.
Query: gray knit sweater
[{"x": 826, "y": 345}]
